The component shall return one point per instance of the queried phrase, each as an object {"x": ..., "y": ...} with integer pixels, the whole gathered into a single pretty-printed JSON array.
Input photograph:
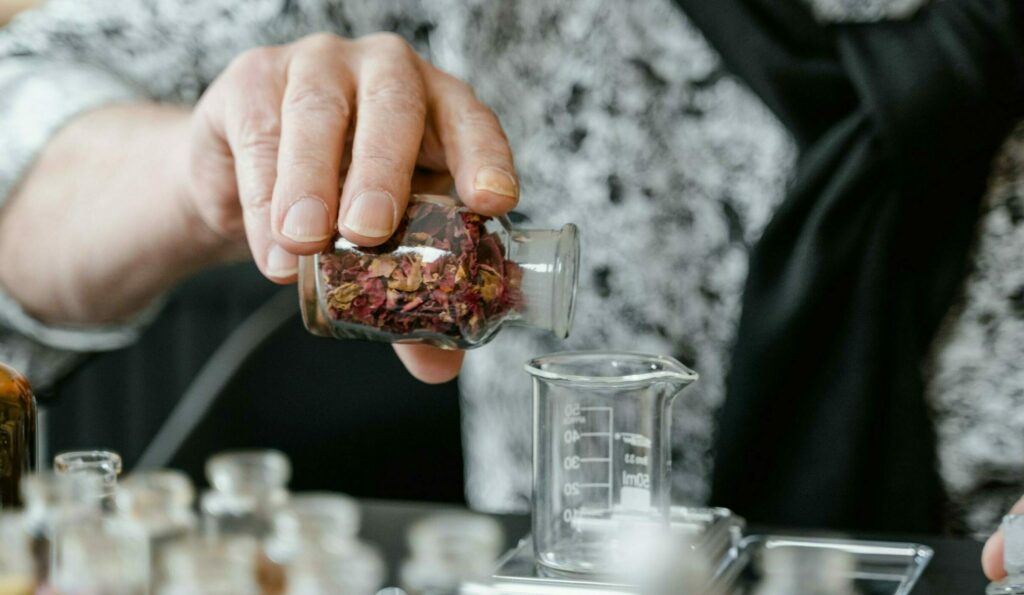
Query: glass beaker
[{"x": 601, "y": 451}]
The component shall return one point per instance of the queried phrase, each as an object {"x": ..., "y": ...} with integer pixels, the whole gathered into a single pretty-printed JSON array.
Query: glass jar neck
[{"x": 549, "y": 262}]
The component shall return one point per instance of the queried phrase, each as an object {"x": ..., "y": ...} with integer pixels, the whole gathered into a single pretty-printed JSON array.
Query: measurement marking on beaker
[
  {"x": 587, "y": 434},
  {"x": 595, "y": 485},
  {"x": 611, "y": 471},
  {"x": 594, "y": 460},
  {"x": 595, "y": 408}
]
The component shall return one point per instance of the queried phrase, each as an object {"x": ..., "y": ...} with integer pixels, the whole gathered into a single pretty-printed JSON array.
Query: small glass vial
[
  {"x": 161, "y": 503},
  {"x": 108, "y": 556},
  {"x": 250, "y": 491},
  {"x": 447, "y": 277},
  {"x": 101, "y": 463},
  {"x": 210, "y": 565},
  {"x": 17, "y": 570},
  {"x": 325, "y": 515},
  {"x": 17, "y": 434},
  {"x": 339, "y": 565},
  {"x": 1013, "y": 558},
  {"x": 449, "y": 549},
  {"x": 52, "y": 501}
]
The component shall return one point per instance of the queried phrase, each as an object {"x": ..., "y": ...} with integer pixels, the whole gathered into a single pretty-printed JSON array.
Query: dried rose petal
[
  {"x": 456, "y": 293},
  {"x": 382, "y": 266}
]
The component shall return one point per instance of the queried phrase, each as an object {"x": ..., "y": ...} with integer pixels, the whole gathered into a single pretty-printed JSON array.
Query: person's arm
[
  {"x": 130, "y": 199},
  {"x": 98, "y": 228}
]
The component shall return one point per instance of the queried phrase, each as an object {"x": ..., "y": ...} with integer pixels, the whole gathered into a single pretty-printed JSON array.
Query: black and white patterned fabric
[{"x": 623, "y": 121}]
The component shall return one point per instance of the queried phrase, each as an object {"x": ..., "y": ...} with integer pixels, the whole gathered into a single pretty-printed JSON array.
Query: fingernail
[
  {"x": 307, "y": 221},
  {"x": 496, "y": 180},
  {"x": 281, "y": 263},
  {"x": 371, "y": 214}
]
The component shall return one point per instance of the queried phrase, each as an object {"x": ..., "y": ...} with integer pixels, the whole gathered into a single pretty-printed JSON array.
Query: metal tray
[
  {"x": 804, "y": 565},
  {"x": 867, "y": 567}
]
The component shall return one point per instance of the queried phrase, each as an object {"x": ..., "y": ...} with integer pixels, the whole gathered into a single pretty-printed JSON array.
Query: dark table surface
[{"x": 955, "y": 569}]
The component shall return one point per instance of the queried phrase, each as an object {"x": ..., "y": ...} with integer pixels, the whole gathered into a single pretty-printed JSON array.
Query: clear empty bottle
[
  {"x": 52, "y": 501},
  {"x": 322, "y": 516},
  {"x": 448, "y": 277},
  {"x": 17, "y": 570},
  {"x": 210, "y": 565},
  {"x": 449, "y": 549},
  {"x": 1013, "y": 558},
  {"x": 106, "y": 556},
  {"x": 340, "y": 565},
  {"x": 249, "y": 496},
  {"x": 161, "y": 503},
  {"x": 104, "y": 464}
]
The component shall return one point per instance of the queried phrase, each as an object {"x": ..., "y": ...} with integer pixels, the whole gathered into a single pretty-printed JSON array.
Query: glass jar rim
[{"x": 649, "y": 368}]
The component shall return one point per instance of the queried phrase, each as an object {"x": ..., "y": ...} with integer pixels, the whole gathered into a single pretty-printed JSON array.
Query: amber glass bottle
[{"x": 17, "y": 434}]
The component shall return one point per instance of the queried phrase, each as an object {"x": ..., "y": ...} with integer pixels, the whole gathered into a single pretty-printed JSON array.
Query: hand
[
  {"x": 127, "y": 200},
  {"x": 277, "y": 130},
  {"x": 992, "y": 555}
]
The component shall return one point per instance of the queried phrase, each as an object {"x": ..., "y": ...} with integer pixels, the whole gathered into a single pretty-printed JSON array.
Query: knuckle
[
  {"x": 388, "y": 42},
  {"x": 378, "y": 161},
  {"x": 318, "y": 100},
  {"x": 321, "y": 42},
  {"x": 489, "y": 154},
  {"x": 258, "y": 133},
  {"x": 480, "y": 117},
  {"x": 310, "y": 161},
  {"x": 254, "y": 65},
  {"x": 454, "y": 85},
  {"x": 255, "y": 203},
  {"x": 397, "y": 96},
  {"x": 482, "y": 122}
]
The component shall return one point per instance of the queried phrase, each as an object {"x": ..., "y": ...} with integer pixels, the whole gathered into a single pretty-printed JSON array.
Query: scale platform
[{"x": 744, "y": 563}]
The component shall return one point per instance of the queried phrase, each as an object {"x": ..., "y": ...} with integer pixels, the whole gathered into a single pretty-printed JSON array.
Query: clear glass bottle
[
  {"x": 325, "y": 515},
  {"x": 249, "y": 496},
  {"x": 447, "y": 277},
  {"x": 449, "y": 549},
  {"x": 102, "y": 556},
  {"x": 52, "y": 501},
  {"x": 101, "y": 463},
  {"x": 161, "y": 503},
  {"x": 17, "y": 434},
  {"x": 338, "y": 565},
  {"x": 210, "y": 565},
  {"x": 17, "y": 571}
]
